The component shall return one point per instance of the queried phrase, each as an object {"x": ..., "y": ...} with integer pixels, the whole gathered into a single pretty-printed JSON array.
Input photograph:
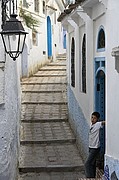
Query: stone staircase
[{"x": 48, "y": 149}]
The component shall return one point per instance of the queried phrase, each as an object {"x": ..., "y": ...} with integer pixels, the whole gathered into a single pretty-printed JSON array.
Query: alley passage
[{"x": 47, "y": 145}]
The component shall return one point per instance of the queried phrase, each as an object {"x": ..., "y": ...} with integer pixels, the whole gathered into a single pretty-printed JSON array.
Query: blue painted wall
[{"x": 78, "y": 123}]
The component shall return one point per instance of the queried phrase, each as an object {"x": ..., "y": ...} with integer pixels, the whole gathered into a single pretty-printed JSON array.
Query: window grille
[
  {"x": 101, "y": 39},
  {"x": 43, "y": 7},
  {"x": 73, "y": 63},
  {"x": 36, "y": 5}
]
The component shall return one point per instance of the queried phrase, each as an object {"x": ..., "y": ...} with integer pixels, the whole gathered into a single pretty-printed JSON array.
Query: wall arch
[{"x": 101, "y": 39}]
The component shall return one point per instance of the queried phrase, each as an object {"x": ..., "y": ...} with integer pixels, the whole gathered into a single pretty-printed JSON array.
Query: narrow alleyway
[{"x": 48, "y": 149}]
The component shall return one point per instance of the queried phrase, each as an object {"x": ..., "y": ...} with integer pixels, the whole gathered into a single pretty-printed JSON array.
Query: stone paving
[{"x": 48, "y": 148}]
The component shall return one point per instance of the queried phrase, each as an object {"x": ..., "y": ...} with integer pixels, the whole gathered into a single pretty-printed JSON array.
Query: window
[
  {"x": 73, "y": 62},
  {"x": 55, "y": 18},
  {"x": 25, "y": 4},
  {"x": 101, "y": 40},
  {"x": 36, "y": 5},
  {"x": 84, "y": 64},
  {"x": 43, "y": 7},
  {"x": 34, "y": 38}
]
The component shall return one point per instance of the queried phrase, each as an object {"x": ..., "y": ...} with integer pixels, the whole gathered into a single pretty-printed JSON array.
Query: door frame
[
  {"x": 49, "y": 37},
  {"x": 99, "y": 65}
]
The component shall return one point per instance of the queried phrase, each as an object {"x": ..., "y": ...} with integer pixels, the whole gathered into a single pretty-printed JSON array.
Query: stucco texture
[
  {"x": 9, "y": 119},
  {"x": 78, "y": 123}
]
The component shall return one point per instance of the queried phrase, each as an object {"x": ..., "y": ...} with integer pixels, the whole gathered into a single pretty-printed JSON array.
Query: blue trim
[
  {"x": 100, "y": 60},
  {"x": 100, "y": 96},
  {"x": 101, "y": 50},
  {"x": 98, "y": 70},
  {"x": 49, "y": 37}
]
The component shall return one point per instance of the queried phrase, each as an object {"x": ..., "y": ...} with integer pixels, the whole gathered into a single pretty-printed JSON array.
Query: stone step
[
  {"x": 43, "y": 83},
  {"x": 44, "y": 87},
  {"x": 53, "y": 98},
  {"x": 72, "y": 175},
  {"x": 43, "y": 102},
  {"x": 58, "y": 73},
  {"x": 51, "y": 168},
  {"x": 51, "y": 157},
  {"x": 53, "y": 141},
  {"x": 45, "y": 80},
  {"x": 63, "y": 58},
  {"x": 43, "y": 111},
  {"x": 49, "y": 75},
  {"x": 61, "y": 54},
  {"x": 43, "y": 120},
  {"x": 42, "y": 91},
  {"x": 57, "y": 64},
  {"x": 53, "y": 68},
  {"x": 46, "y": 132}
]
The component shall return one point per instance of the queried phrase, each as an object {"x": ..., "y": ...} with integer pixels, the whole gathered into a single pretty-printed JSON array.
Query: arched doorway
[
  {"x": 100, "y": 105},
  {"x": 49, "y": 37}
]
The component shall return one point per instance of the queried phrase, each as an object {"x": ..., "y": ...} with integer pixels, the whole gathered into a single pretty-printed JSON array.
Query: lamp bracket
[{"x": 6, "y": 10}]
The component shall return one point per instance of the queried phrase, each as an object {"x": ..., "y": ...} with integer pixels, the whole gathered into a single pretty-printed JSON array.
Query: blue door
[
  {"x": 100, "y": 94},
  {"x": 64, "y": 43},
  {"x": 100, "y": 103},
  {"x": 49, "y": 37}
]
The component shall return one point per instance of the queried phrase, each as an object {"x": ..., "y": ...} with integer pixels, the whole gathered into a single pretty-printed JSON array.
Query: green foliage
[{"x": 29, "y": 20}]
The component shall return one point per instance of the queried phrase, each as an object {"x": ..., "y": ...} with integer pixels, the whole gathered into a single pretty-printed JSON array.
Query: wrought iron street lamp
[{"x": 13, "y": 36}]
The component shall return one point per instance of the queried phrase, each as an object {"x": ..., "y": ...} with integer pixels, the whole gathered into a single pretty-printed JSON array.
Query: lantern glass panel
[
  {"x": 11, "y": 42},
  {"x": 21, "y": 43}
]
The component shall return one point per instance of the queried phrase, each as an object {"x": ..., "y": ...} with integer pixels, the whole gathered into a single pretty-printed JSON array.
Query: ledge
[
  {"x": 115, "y": 53},
  {"x": 69, "y": 9}
]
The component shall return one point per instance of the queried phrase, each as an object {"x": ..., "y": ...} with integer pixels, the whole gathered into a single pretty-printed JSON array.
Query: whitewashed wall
[
  {"x": 112, "y": 100},
  {"x": 9, "y": 115},
  {"x": 81, "y": 105},
  {"x": 9, "y": 121}
]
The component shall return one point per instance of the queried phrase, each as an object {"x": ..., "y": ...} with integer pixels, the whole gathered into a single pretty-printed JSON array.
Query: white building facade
[
  {"x": 93, "y": 74},
  {"x": 45, "y": 41}
]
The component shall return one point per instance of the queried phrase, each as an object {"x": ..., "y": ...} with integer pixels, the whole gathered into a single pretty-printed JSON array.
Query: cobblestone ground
[{"x": 48, "y": 149}]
